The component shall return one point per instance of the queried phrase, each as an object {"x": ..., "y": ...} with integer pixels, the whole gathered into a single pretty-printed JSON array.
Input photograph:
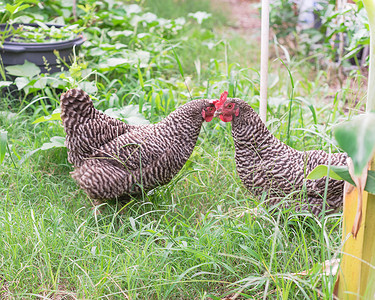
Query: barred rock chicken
[
  {"x": 116, "y": 160},
  {"x": 266, "y": 165}
]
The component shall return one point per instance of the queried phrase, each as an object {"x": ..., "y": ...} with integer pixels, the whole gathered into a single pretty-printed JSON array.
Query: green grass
[
  {"x": 177, "y": 9},
  {"x": 194, "y": 238}
]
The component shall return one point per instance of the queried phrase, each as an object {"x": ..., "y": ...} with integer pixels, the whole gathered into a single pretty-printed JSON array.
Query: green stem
[
  {"x": 11, "y": 157},
  {"x": 290, "y": 102}
]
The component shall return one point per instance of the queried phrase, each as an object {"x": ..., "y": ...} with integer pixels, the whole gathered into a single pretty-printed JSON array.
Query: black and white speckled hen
[
  {"x": 116, "y": 160},
  {"x": 266, "y": 165}
]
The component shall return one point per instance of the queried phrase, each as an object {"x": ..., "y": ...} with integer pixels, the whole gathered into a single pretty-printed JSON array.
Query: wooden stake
[
  {"x": 265, "y": 33},
  {"x": 357, "y": 270}
]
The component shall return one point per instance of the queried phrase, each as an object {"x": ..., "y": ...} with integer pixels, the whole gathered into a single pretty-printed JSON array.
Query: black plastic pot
[{"x": 14, "y": 53}]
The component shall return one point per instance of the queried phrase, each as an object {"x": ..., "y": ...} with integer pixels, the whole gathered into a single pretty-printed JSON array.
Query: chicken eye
[
  {"x": 210, "y": 109},
  {"x": 230, "y": 106}
]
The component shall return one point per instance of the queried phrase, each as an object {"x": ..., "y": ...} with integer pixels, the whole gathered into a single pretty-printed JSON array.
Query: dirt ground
[{"x": 244, "y": 15}]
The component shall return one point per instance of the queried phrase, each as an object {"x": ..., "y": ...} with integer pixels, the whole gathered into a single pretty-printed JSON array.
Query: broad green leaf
[
  {"x": 130, "y": 114},
  {"x": 5, "y": 83},
  {"x": 55, "y": 142},
  {"x": 28, "y": 69},
  {"x": 21, "y": 82},
  {"x": 127, "y": 32},
  {"x": 114, "y": 62},
  {"x": 6, "y": 114},
  {"x": 42, "y": 25},
  {"x": 116, "y": 46},
  {"x": 149, "y": 17},
  {"x": 127, "y": 59},
  {"x": 40, "y": 83},
  {"x": 133, "y": 9},
  {"x": 342, "y": 173},
  {"x": 98, "y": 52},
  {"x": 357, "y": 138},
  {"x": 114, "y": 33},
  {"x": 22, "y": 7},
  {"x": 52, "y": 117},
  {"x": 321, "y": 171},
  {"x": 3, "y": 145},
  {"x": 142, "y": 35},
  {"x": 13, "y": 9},
  {"x": 88, "y": 86},
  {"x": 335, "y": 172}
]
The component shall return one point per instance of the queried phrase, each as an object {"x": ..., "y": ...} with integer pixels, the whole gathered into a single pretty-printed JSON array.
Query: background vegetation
[{"x": 195, "y": 238}]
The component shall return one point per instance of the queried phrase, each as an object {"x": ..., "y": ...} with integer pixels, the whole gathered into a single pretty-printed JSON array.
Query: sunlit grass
[{"x": 194, "y": 238}]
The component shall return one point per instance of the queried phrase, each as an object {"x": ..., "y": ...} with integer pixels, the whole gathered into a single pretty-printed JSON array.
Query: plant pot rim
[{"x": 40, "y": 46}]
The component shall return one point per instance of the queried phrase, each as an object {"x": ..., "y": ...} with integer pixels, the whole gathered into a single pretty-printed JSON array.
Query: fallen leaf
[
  {"x": 329, "y": 267},
  {"x": 252, "y": 211}
]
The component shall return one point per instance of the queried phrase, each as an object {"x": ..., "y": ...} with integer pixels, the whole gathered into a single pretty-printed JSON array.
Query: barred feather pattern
[
  {"x": 116, "y": 160},
  {"x": 266, "y": 165},
  {"x": 86, "y": 128}
]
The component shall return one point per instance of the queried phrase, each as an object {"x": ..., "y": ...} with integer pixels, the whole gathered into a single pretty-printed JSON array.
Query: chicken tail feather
[
  {"x": 87, "y": 129},
  {"x": 76, "y": 105}
]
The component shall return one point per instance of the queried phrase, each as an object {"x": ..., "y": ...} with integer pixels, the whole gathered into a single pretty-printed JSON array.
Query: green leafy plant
[
  {"x": 283, "y": 17},
  {"x": 41, "y": 34},
  {"x": 322, "y": 40},
  {"x": 12, "y": 10}
]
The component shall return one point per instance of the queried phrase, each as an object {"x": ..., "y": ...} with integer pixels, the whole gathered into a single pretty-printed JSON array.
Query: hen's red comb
[{"x": 223, "y": 98}]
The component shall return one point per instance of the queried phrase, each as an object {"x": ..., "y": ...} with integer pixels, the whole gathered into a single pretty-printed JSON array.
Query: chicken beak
[{"x": 218, "y": 113}]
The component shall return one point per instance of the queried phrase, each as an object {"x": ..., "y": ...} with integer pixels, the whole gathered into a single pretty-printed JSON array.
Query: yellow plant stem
[{"x": 357, "y": 277}]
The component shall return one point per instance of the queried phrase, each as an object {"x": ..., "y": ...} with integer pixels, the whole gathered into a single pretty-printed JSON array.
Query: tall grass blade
[
  {"x": 2, "y": 70},
  {"x": 290, "y": 101},
  {"x": 3, "y": 145},
  {"x": 140, "y": 77},
  {"x": 181, "y": 71}
]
